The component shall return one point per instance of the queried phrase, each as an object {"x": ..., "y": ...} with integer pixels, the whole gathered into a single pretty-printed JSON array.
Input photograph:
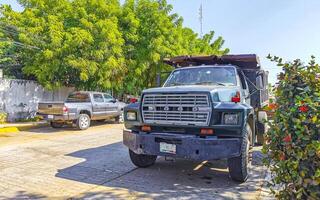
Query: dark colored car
[{"x": 209, "y": 108}]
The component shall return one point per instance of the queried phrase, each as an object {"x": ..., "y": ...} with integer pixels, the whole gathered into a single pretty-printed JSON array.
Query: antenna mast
[{"x": 200, "y": 19}]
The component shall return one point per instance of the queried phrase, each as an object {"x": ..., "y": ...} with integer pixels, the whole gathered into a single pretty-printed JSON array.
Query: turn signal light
[
  {"x": 236, "y": 98},
  {"x": 146, "y": 128},
  {"x": 133, "y": 100},
  {"x": 65, "y": 109},
  {"x": 206, "y": 131}
]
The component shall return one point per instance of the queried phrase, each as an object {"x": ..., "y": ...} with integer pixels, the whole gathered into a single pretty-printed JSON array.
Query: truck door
[
  {"x": 112, "y": 106},
  {"x": 98, "y": 107}
]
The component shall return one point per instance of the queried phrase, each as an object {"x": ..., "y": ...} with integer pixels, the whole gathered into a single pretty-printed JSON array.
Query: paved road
[{"x": 93, "y": 164}]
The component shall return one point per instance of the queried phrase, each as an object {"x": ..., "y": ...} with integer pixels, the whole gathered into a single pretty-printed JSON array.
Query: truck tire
[
  {"x": 56, "y": 124},
  {"x": 141, "y": 160},
  {"x": 261, "y": 131},
  {"x": 238, "y": 166},
  {"x": 117, "y": 119},
  {"x": 83, "y": 122}
]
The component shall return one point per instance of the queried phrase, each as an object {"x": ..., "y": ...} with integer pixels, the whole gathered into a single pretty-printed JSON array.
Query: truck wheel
[
  {"x": 141, "y": 160},
  {"x": 56, "y": 124},
  {"x": 83, "y": 122},
  {"x": 117, "y": 119},
  {"x": 261, "y": 131},
  {"x": 238, "y": 166},
  {"x": 121, "y": 117}
]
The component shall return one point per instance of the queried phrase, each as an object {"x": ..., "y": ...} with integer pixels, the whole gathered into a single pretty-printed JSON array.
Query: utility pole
[{"x": 200, "y": 19}]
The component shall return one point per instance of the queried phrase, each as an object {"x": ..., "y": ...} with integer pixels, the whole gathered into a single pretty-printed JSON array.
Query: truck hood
[{"x": 218, "y": 93}]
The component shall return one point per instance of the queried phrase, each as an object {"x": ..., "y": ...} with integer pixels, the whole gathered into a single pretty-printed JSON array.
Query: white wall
[{"x": 19, "y": 98}]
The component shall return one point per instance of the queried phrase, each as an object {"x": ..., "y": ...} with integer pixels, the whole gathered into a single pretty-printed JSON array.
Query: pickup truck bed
[{"x": 51, "y": 108}]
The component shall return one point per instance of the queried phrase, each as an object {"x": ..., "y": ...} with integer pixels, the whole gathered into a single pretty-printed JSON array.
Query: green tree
[
  {"x": 152, "y": 33},
  {"x": 75, "y": 43},
  {"x": 97, "y": 44}
]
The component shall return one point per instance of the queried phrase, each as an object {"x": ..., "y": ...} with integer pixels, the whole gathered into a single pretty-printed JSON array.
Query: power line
[
  {"x": 3, "y": 28},
  {"x": 12, "y": 32},
  {"x": 21, "y": 44}
]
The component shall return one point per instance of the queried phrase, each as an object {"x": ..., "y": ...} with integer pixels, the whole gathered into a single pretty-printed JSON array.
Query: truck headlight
[
  {"x": 230, "y": 119},
  {"x": 131, "y": 116}
]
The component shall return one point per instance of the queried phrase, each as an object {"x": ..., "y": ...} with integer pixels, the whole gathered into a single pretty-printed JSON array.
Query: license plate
[
  {"x": 168, "y": 148},
  {"x": 50, "y": 116}
]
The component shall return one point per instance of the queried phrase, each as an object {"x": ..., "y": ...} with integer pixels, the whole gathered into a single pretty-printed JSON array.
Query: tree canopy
[{"x": 96, "y": 44}]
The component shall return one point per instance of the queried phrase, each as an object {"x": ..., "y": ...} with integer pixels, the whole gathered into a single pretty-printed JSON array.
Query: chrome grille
[{"x": 176, "y": 109}]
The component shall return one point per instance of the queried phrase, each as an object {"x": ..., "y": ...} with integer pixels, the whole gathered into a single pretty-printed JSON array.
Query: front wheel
[
  {"x": 261, "y": 132},
  {"x": 141, "y": 160},
  {"x": 238, "y": 166},
  {"x": 83, "y": 122}
]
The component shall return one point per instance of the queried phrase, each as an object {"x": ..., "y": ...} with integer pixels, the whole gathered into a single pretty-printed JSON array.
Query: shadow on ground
[
  {"x": 109, "y": 170},
  {"x": 111, "y": 167},
  {"x": 24, "y": 195},
  {"x": 70, "y": 127}
]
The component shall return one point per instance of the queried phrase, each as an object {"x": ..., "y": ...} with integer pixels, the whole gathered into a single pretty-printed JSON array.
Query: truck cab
[{"x": 208, "y": 108}]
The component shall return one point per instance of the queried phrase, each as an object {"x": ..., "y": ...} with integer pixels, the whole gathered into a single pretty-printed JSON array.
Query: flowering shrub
[
  {"x": 3, "y": 117},
  {"x": 293, "y": 146}
]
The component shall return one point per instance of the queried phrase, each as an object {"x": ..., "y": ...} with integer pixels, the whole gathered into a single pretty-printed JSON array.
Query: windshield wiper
[{"x": 210, "y": 83}]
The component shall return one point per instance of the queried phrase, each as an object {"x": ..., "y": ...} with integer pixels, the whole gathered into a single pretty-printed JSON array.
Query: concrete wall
[{"x": 19, "y": 98}]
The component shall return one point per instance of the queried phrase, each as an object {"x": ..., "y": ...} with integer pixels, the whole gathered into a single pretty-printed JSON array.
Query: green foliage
[
  {"x": 69, "y": 43},
  {"x": 33, "y": 119},
  {"x": 293, "y": 145},
  {"x": 152, "y": 33},
  {"x": 96, "y": 44},
  {"x": 3, "y": 117}
]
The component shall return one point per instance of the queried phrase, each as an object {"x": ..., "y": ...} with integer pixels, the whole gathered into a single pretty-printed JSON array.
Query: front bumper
[{"x": 187, "y": 146}]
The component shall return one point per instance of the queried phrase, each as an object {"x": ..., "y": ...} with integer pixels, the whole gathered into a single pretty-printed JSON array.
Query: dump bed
[{"x": 249, "y": 64}]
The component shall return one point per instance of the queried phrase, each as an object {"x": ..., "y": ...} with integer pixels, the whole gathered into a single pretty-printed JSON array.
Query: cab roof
[{"x": 244, "y": 61}]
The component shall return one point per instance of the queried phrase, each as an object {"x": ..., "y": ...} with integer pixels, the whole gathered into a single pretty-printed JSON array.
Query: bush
[
  {"x": 33, "y": 119},
  {"x": 3, "y": 117},
  {"x": 293, "y": 146}
]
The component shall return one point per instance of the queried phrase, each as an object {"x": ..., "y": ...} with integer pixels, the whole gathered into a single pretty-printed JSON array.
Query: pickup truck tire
[
  {"x": 238, "y": 166},
  {"x": 141, "y": 160},
  {"x": 83, "y": 122},
  {"x": 117, "y": 119},
  {"x": 56, "y": 124}
]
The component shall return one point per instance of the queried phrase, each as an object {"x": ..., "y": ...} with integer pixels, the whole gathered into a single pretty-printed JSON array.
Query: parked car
[
  {"x": 209, "y": 108},
  {"x": 80, "y": 108}
]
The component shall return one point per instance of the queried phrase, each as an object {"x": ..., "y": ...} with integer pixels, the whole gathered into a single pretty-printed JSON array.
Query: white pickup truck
[{"x": 80, "y": 108}]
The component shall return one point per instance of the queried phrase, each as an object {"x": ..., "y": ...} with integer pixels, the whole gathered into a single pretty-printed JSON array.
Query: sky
[{"x": 286, "y": 28}]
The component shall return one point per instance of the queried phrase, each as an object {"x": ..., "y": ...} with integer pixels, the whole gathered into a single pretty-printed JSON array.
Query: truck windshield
[
  {"x": 217, "y": 75},
  {"x": 78, "y": 97}
]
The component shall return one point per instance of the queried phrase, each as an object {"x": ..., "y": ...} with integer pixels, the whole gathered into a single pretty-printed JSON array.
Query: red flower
[
  {"x": 282, "y": 156},
  {"x": 287, "y": 138},
  {"x": 303, "y": 108},
  {"x": 272, "y": 106}
]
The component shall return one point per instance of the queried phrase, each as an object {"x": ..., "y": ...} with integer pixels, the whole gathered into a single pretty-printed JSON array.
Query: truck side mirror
[{"x": 259, "y": 83}]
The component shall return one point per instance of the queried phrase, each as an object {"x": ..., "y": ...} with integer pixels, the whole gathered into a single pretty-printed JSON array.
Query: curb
[{"x": 11, "y": 128}]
